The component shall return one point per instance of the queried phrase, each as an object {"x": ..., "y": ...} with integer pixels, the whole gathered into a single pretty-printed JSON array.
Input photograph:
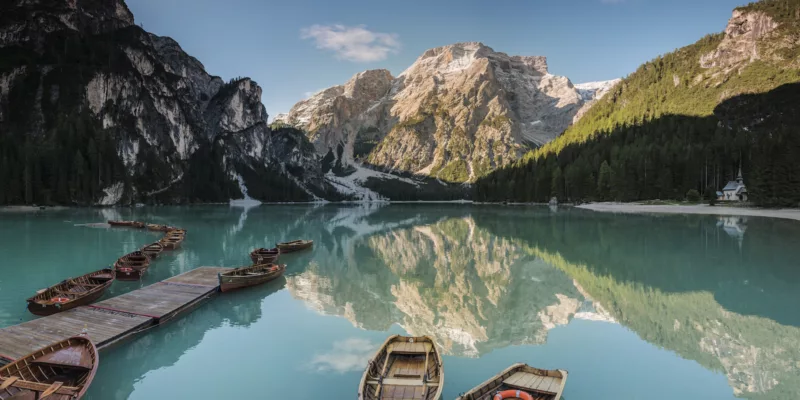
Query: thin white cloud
[
  {"x": 346, "y": 356},
  {"x": 353, "y": 43}
]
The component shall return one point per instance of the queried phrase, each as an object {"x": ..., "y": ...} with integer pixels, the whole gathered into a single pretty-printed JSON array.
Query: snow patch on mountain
[
  {"x": 351, "y": 185},
  {"x": 595, "y": 90},
  {"x": 592, "y": 92}
]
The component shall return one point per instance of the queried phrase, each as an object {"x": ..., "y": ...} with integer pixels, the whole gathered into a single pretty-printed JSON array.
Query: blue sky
[{"x": 296, "y": 47}]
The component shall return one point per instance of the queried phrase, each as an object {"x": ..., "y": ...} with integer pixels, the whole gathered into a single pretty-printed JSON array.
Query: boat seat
[
  {"x": 41, "y": 387},
  {"x": 532, "y": 382},
  {"x": 407, "y": 368},
  {"x": 403, "y": 382},
  {"x": 409, "y": 348}
]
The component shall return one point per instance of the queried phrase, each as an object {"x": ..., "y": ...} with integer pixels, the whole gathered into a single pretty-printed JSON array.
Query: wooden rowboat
[
  {"x": 404, "y": 368},
  {"x": 131, "y": 267},
  {"x": 295, "y": 245},
  {"x": 265, "y": 256},
  {"x": 61, "y": 371},
  {"x": 138, "y": 225},
  {"x": 121, "y": 223},
  {"x": 521, "y": 381},
  {"x": 71, "y": 293},
  {"x": 158, "y": 228},
  {"x": 171, "y": 242},
  {"x": 249, "y": 276},
  {"x": 152, "y": 250}
]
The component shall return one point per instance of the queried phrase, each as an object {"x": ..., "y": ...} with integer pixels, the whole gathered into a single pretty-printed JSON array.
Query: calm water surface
[{"x": 635, "y": 307}]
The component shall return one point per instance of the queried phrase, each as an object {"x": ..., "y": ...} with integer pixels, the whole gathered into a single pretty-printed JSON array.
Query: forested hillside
[{"x": 683, "y": 121}]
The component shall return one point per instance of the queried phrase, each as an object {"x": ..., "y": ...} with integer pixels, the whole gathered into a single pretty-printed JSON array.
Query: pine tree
[{"x": 604, "y": 181}]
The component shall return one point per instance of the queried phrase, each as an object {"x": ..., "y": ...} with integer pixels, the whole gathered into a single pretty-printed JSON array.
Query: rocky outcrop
[
  {"x": 741, "y": 41},
  {"x": 154, "y": 125},
  {"x": 457, "y": 113}
]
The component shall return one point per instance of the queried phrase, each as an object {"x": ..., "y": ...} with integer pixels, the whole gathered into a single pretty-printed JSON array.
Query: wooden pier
[{"x": 110, "y": 321}]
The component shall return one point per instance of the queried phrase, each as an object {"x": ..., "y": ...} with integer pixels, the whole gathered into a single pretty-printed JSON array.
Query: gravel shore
[{"x": 693, "y": 209}]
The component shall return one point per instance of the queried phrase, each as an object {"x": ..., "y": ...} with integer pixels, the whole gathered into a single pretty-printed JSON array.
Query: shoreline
[
  {"x": 703, "y": 209},
  {"x": 19, "y": 208}
]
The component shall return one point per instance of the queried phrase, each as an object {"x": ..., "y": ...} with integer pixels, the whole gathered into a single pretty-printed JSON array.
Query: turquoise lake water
[{"x": 633, "y": 306}]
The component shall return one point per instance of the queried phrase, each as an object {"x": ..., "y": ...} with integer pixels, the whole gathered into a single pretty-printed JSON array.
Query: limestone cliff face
[
  {"x": 457, "y": 113},
  {"x": 741, "y": 41},
  {"x": 166, "y": 129}
]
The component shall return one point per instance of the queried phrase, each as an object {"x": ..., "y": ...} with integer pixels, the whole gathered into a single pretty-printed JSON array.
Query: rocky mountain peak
[
  {"x": 459, "y": 56},
  {"x": 740, "y": 44},
  {"x": 458, "y": 112}
]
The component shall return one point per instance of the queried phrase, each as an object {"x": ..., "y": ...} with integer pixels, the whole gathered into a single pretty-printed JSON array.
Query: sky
[{"x": 294, "y": 48}]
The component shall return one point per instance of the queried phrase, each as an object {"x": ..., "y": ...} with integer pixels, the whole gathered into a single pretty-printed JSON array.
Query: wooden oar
[
  {"x": 10, "y": 381},
  {"x": 52, "y": 389}
]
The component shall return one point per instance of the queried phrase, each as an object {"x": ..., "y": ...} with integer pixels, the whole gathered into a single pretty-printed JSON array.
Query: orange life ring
[
  {"x": 59, "y": 300},
  {"x": 507, "y": 394}
]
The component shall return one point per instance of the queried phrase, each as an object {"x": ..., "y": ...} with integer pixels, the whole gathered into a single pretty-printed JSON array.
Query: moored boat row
[
  {"x": 264, "y": 267},
  {"x": 64, "y": 370},
  {"x": 88, "y": 288},
  {"x": 133, "y": 266}
]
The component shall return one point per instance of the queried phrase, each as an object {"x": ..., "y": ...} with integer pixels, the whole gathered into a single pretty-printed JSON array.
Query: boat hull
[
  {"x": 132, "y": 266},
  {"x": 292, "y": 247},
  {"x": 228, "y": 283},
  {"x": 78, "y": 291},
  {"x": 31, "y": 377},
  {"x": 264, "y": 256},
  {"x": 44, "y": 310}
]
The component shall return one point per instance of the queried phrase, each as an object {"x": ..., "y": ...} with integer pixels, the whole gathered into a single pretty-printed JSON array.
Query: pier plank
[{"x": 111, "y": 319}]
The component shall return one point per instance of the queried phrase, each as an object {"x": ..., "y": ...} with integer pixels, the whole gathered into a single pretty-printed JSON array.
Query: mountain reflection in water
[{"x": 479, "y": 281}]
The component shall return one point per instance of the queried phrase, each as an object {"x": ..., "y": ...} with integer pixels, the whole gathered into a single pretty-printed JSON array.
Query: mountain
[
  {"x": 457, "y": 113},
  {"x": 685, "y": 121},
  {"x": 95, "y": 110}
]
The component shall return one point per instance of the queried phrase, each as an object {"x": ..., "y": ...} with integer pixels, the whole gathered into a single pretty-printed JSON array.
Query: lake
[{"x": 633, "y": 306}]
